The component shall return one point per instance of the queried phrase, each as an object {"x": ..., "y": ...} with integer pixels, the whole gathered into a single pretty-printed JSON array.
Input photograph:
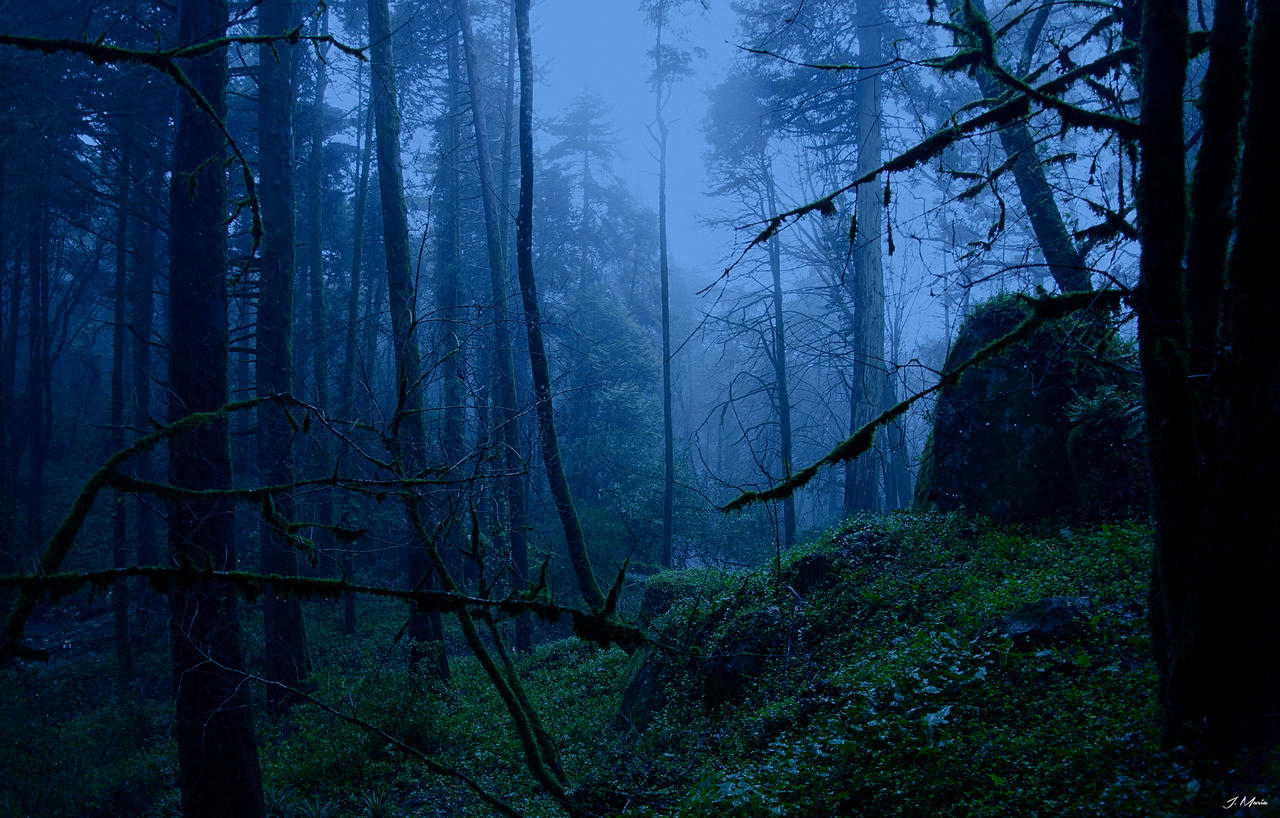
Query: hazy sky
[{"x": 602, "y": 46}]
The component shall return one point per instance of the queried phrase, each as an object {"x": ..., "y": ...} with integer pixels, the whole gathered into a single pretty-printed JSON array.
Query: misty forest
[{"x": 642, "y": 407}]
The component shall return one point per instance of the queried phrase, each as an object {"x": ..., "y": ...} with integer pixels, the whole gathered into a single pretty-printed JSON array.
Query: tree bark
[
  {"x": 862, "y": 490},
  {"x": 315, "y": 234},
  {"x": 8, "y": 338},
  {"x": 505, "y": 383},
  {"x": 783, "y": 391},
  {"x": 1212, "y": 438},
  {"x": 142, "y": 319},
  {"x": 315, "y": 266},
  {"x": 284, "y": 648},
  {"x": 119, "y": 517},
  {"x": 217, "y": 755},
  {"x": 664, "y": 277},
  {"x": 448, "y": 298},
  {"x": 38, "y": 408},
  {"x": 348, "y": 381},
  {"x": 408, "y": 433},
  {"x": 575, "y": 541},
  {"x": 1066, "y": 263}
]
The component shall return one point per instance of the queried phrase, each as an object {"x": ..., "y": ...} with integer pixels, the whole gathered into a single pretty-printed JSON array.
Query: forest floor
[{"x": 905, "y": 665}]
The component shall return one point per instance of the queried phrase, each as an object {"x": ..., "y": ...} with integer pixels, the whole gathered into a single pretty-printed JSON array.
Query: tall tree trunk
[
  {"x": 505, "y": 307},
  {"x": 1212, "y": 437},
  {"x": 575, "y": 541},
  {"x": 8, "y": 337},
  {"x": 409, "y": 434},
  {"x": 141, "y": 320},
  {"x": 315, "y": 233},
  {"x": 861, "y": 492},
  {"x": 783, "y": 395},
  {"x": 1246, "y": 629},
  {"x": 666, "y": 555},
  {"x": 1066, "y": 263},
  {"x": 505, "y": 386},
  {"x": 38, "y": 370},
  {"x": 217, "y": 755},
  {"x": 315, "y": 266},
  {"x": 284, "y": 639},
  {"x": 448, "y": 298},
  {"x": 348, "y": 382},
  {"x": 119, "y": 518}
]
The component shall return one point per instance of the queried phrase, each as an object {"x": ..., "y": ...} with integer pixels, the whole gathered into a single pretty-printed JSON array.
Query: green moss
[
  {"x": 887, "y": 688},
  {"x": 868, "y": 676}
]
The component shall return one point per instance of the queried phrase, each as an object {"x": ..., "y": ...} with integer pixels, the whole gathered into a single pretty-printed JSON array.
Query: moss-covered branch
[
  {"x": 595, "y": 627},
  {"x": 63, "y": 538},
  {"x": 1043, "y": 310},
  {"x": 104, "y": 53},
  {"x": 1002, "y": 112}
]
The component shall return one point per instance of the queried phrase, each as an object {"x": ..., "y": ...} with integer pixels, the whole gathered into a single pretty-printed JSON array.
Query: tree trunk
[
  {"x": 518, "y": 479},
  {"x": 1212, "y": 437},
  {"x": 348, "y": 382},
  {"x": 505, "y": 385},
  {"x": 448, "y": 298},
  {"x": 664, "y": 277},
  {"x": 38, "y": 369},
  {"x": 862, "y": 491},
  {"x": 8, "y": 337},
  {"x": 409, "y": 433},
  {"x": 315, "y": 235},
  {"x": 575, "y": 541},
  {"x": 119, "y": 519},
  {"x": 783, "y": 392},
  {"x": 141, "y": 321},
  {"x": 284, "y": 639},
  {"x": 315, "y": 266},
  {"x": 1066, "y": 263},
  {"x": 217, "y": 755}
]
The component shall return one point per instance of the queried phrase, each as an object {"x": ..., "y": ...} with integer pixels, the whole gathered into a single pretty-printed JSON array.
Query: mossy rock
[
  {"x": 668, "y": 595},
  {"x": 1009, "y": 441}
]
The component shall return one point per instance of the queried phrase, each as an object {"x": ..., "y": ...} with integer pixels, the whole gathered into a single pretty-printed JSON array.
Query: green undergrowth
[
  {"x": 880, "y": 672},
  {"x": 885, "y": 669},
  {"x": 876, "y": 671}
]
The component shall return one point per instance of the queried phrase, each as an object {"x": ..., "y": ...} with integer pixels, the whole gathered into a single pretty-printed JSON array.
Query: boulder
[{"x": 1002, "y": 443}]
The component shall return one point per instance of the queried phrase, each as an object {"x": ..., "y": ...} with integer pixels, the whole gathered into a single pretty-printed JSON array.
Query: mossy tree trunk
[
  {"x": 315, "y": 286},
  {"x": 39, "y": 389},
  {"x": 347, "y": 383},
  {"x": 8, "y": 330},
  {"x": 142, "y": 321},
  {"x": 119, "y": 509},
  {"x": 505, "y": 385},
  {"x": 575, "y": 540},
  {"x": 862, "y": 483},
  {"x": 662, "y": 135},
  {"x": 409, "y": 435},
  {"x": 217, "y": 754},
  {"x": 1212, "y": 379},
  {"x": 284, "y": 647},
  {"x": 782, "y": 392},
  {"x": 451, "y": 326}
]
